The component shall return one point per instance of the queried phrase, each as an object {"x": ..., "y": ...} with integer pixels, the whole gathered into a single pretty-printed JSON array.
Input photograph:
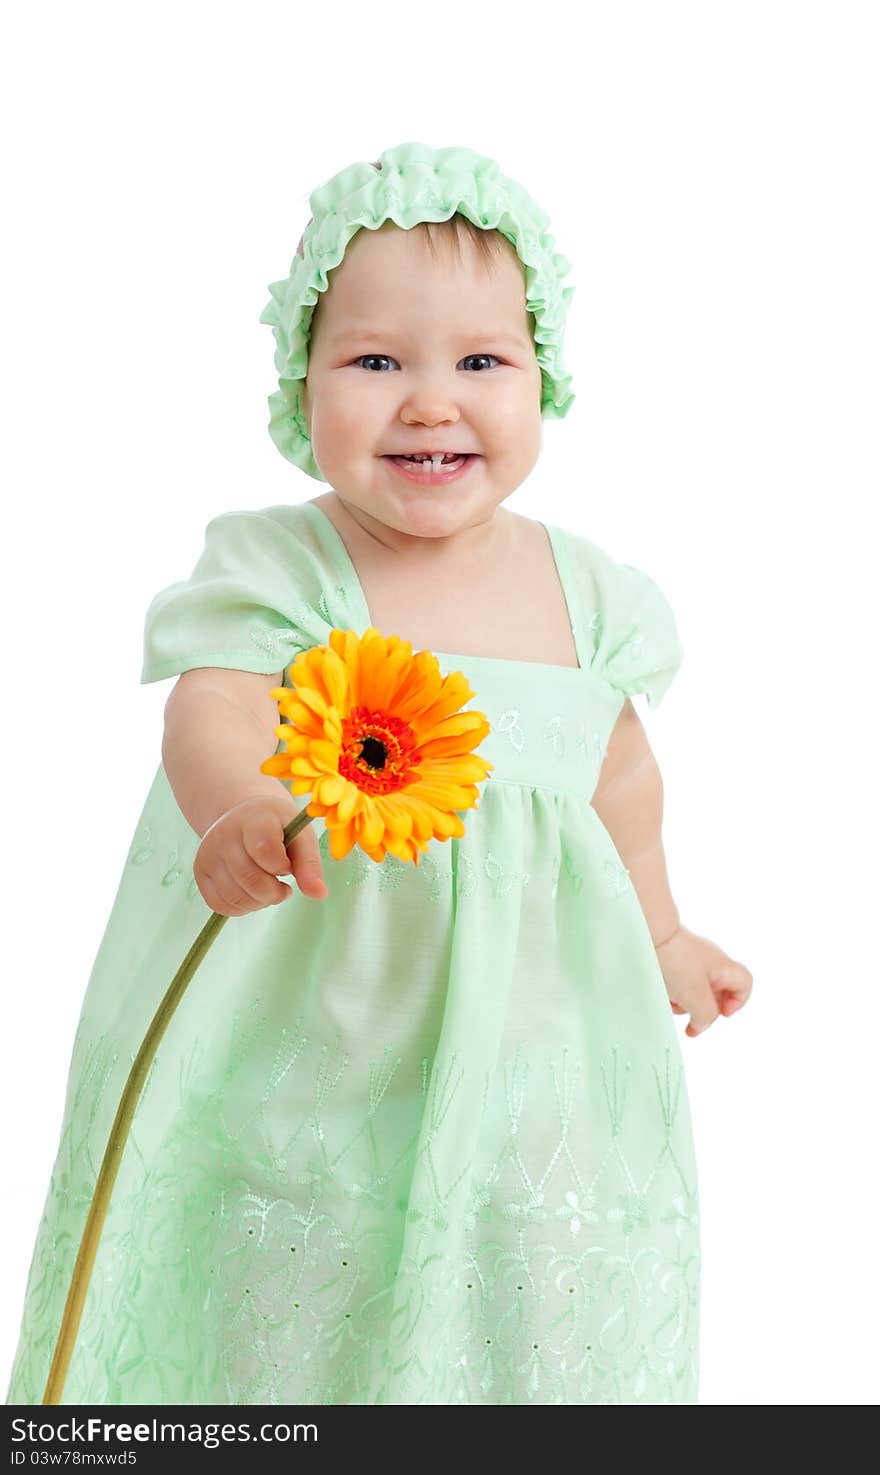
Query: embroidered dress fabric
[{"x": 426, "y": 1140}]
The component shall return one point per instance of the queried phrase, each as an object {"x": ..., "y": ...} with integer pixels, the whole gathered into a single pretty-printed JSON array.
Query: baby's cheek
[
  {"x": 364, "y": 411},
  {"x": 342, "y": 425},
  {"x": 519, "y": 435}
]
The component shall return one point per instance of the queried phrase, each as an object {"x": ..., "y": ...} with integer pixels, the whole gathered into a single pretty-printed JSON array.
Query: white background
[{"x": 711, "y": 172}]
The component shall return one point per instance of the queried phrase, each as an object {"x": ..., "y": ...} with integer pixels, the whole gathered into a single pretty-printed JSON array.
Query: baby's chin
[{"x": 424, "y": 512}]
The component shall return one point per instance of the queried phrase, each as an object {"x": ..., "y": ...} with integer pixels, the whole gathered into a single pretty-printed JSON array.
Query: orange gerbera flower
[{"x": 381, "y": 744}]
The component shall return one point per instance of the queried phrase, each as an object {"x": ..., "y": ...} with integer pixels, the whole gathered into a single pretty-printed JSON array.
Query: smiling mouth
[
  {"x": 440, "y": 468},
  {"x": 424, "y": 456}
]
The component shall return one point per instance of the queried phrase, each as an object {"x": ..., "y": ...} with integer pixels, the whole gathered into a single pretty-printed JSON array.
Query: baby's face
[{"x": 398, "y": 362}]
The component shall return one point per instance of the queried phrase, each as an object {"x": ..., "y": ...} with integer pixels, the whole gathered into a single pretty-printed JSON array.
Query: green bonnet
[{"x": 413, "y": 183}]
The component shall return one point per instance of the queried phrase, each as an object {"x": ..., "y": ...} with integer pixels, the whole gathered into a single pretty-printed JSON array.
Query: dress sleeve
[
  {"x": 243, "y": 607},
  {"x": 636, "y": 646}
]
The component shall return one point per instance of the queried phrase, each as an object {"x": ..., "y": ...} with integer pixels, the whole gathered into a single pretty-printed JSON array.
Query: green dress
[{"x": 426, "y": 1140}]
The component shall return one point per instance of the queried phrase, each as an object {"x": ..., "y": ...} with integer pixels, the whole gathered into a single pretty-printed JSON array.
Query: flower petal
[{"x": 331, "y": 787}]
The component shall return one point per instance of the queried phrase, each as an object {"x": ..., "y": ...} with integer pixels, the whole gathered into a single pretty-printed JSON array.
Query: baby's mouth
[{"x": 436, "y": 461}]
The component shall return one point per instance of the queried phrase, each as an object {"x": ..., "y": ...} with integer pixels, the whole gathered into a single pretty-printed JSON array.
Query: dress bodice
[
  {"x": 550, "y": 724},
  {"x": 274, "y": 582}
]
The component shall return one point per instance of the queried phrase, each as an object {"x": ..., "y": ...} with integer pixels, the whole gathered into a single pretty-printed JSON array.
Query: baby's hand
[
  {"x": 243, "y": 853},
  {"x": 701, "y": 980}
]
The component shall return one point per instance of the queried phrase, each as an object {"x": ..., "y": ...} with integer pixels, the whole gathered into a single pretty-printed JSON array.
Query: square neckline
[{"x": 555, "y": 538}]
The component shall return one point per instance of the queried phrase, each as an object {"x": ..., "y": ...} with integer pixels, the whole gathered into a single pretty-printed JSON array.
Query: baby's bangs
[{"x": 451, "y": 232}]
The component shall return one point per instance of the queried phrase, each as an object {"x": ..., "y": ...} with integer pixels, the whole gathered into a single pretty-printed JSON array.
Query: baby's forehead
[{"x": 390, "y": 274}]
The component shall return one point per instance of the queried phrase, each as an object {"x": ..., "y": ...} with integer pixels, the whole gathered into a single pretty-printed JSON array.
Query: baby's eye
[
  {"x": 480, "y": 356},
  {"x": 370, "y": 358}
]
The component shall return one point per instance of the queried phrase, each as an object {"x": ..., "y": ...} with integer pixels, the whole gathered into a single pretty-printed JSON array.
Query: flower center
[
  {"x": 377, "y": 751},
  {"x": 374, "y": 752}
]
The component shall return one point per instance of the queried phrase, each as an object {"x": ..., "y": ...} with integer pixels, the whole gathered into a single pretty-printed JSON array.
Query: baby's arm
[
  {"x": 219, "y": 728},
  {"x": 700, "y": 978},
  {"x": 629, "y": 801}
]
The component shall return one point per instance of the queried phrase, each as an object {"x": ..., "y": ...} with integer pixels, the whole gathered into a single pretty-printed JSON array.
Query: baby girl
[{"x": 421, "y": 1136}]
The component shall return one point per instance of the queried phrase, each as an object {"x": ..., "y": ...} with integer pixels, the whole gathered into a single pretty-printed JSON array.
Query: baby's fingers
[
  {"x": 259, "y": 858},
  {"x": 263, "y": 843},
  {"x": 255, "y": 881},
  {"x": 224, "y": 890},
  {"x": 703, "y": 1016},
  {"x": 697, "y": 1029},
  {"x": 305, "y": 862},
  {"x": 732, "y": 985}
]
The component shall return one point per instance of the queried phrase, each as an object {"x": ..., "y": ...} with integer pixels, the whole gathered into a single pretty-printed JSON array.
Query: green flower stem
[{"x": 82, "y": 1270}]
